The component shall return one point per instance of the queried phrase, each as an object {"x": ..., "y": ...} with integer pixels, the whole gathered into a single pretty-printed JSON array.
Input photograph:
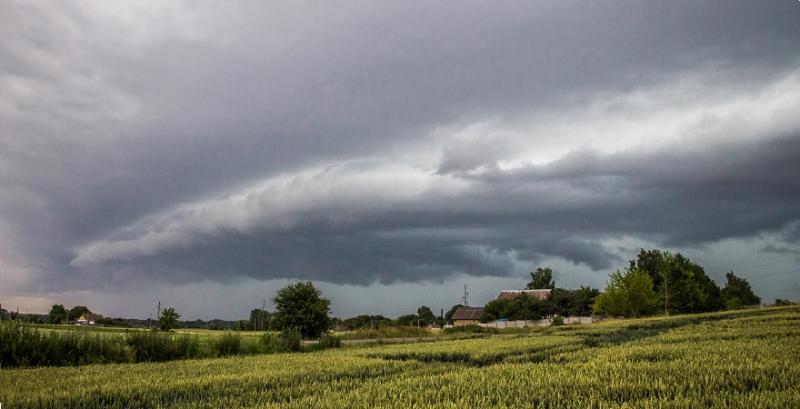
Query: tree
[
  {"x": 426, "y": 316},
  {"x": 737, "y": 292},
  {"x": 542, "y": 278},
  {"x": 408, "y": 319},
  {"x": 58, "y": 314},
  {"x": 302, "y": 306},
  {"x": 449, "y": 315},
  {"x": 582, "y": 301},
  {"x": 78, "y": 310},
  {"x": 259, "y": 320},
  {"x": 682, "y": 286},
  {"x": 168, "y": 319},
  {"x": 630, "y": 294}
]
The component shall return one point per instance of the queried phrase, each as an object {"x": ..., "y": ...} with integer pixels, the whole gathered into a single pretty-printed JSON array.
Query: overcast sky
[{"x": 207, "y": 153}]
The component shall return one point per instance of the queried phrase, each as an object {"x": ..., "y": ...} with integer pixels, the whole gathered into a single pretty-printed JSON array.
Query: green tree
[
  {"x": 426, "y": 316},
  {"x": 259, "y": 320},
  {"x": 582, "y": 301},
  {"x": 542, "y": 278},
  {"x": 78, "y": 310},
  {"x": 630, "y": 294},
  {"x": 449, "y": 314},
  {"x": 737, "y": 292},
  {"x": 168, "y": 319},
  {"x": 302, "y": 306},
  {"x": 682, "y": 286},
  {"x": 408, "y": 319},
  {"x": 58, "y": 314}
]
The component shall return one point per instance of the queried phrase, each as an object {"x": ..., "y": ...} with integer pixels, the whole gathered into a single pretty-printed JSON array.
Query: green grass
[{"x": 740, "y": 359}]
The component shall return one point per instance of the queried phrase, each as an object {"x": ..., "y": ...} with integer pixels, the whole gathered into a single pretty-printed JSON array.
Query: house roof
[
  {"x": 508, "y": 294},
  {"x": 468, "y": 313}
]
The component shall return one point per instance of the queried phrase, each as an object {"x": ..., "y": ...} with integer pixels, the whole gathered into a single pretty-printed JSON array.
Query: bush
[
  {"x": 227, "y": 344},
  {"x": 23, "y": 346},
  {"x": 557, "y": 320},
  {"x": 289, "y": 340},
  {"x": 779, "y": 301},
  {"x": 329, "y": 341},
  {"x": 152, "y": 346}
]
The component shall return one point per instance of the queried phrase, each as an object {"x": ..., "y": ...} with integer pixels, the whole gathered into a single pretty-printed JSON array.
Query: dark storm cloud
[{"x": 109, "y": 123}]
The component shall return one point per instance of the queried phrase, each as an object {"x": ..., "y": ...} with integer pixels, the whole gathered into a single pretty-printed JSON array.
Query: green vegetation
[
  {"x": 302, "y": 306},
  {"x": 737, "y": 359}
]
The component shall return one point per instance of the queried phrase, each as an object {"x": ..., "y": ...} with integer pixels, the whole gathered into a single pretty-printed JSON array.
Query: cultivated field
[{"x": 743, "y": 359}]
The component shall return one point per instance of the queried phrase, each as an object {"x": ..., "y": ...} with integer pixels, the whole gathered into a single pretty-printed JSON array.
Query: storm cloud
[{"x": 374, "y": 144}]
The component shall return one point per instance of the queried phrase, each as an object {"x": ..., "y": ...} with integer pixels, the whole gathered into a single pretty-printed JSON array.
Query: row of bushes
[{"x": 24, "y": 346}]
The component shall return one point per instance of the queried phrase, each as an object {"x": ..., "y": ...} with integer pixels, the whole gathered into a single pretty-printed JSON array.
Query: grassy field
[{"x": 742, "y": 359}]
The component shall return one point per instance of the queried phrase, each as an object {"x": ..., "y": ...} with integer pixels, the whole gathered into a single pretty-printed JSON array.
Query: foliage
[
  {"x": 152, "y": 346},
  {"x": 542, "y": 278},
  {"x": 168, "y": 319},
  {"x": 290, "y": 340},
  {"x": 781, "y": 301},
  {"x": 408, "y": 320},
  {"x": 449, "y": 314},
  {"x": 329, "y": 341},
  {"x": 521, "y": 307},
  {"x": 681, "y": 285},
  {"x": 558, "y": 320},
  {"x": 630, "y": 294},
  {"x": 228, "y": 343},
  {"x": 425, "y": 315},
  {"x": 394, "y": 331},
  {"x": 260, "y": 320},
  {"x": 78, "y": 310},
  {"x": 366, "y": 321},
  {"x": 21, "y": 345},
  {"x": 58, "y": 314},
  {"x": 737, "y": 292},
  {"x": 301, "y": 306}
]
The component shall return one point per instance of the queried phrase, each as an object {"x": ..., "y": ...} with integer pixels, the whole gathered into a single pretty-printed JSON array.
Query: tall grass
[{"x": 23, "y": 346}]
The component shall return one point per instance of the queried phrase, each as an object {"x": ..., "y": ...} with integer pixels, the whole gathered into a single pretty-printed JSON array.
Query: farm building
[
  {"x": 88, "y": 319},
  {"x": 508, "y": 294},
  {"x": 467, "y": 316}
]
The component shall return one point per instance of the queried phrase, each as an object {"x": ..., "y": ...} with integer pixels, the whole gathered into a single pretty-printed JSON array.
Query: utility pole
[
  {"x": 465, "y": 298},
  {"x": 158, "y": 314},
  {"x": 666, "y": 295}
]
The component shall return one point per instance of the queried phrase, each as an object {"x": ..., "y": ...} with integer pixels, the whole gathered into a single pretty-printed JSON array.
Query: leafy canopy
[{"x": 303, "y": 307}]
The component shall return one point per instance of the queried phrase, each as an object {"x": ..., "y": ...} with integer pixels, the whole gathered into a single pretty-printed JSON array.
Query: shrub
[
  {"x": 152, "y": 346},
  {"x": 23, "y": 346},
  {"x": 329, "y": 341},
  {"x": 290, "y": 340},
  {"x": 557, "y": 320},
  {"x": 227, "y": 344}
]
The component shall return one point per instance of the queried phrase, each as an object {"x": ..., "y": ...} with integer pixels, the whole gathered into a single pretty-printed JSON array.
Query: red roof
[{"x": 508, "y": 294}]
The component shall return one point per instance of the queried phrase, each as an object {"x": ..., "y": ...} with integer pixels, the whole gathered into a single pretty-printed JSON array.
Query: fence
[{"x": 539, "y": 323}]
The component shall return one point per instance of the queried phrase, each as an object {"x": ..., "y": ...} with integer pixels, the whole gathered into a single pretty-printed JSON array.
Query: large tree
[
  {"x": 78, "y": 310},
  {"x": 168, "y": 319},
  {"x": 426, "y": 316},
  {"x": 259, "y": 320},
  {"x": 737, "y": 292},
  {"x": 542, "y": 278},
  {"x": 58, "y": 314},
  {"x": 302, "y": 306},
  {"x": 630, "y": 294},
  {"x": 682, "y": 286},
  {"x": 449, "y": 314}
]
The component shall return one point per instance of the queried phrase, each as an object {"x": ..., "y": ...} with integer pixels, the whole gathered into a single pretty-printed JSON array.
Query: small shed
[{"x": 467, "y": 316}]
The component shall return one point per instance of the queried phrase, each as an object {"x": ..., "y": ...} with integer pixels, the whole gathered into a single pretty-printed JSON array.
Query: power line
[{"x": 756, "y": 262}]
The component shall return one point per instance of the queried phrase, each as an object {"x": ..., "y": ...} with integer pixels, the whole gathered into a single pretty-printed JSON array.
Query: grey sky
[{"x": 390, "y": 151}]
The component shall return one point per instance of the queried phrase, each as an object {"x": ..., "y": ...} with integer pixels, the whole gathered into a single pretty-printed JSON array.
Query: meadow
[{"x": 739, "y": 359}]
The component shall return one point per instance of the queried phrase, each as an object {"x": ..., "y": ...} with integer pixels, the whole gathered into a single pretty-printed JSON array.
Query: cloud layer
[{"x": 361, "y": 143}]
